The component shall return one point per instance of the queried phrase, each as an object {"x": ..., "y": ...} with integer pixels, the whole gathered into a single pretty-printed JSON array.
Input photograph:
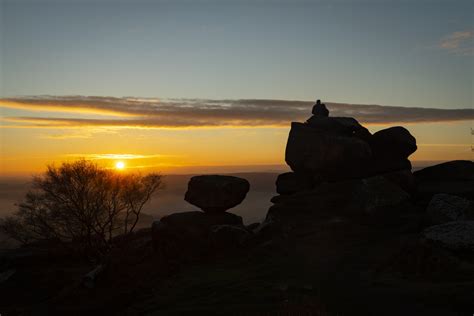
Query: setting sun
[{"x": 120, "y": 165}]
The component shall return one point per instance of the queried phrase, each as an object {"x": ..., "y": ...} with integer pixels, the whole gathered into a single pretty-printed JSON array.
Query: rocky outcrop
[
  {"x": 453, "y": 177},
  {"x": 445, "y": 208},
  {"x": 292, "y": 182},
  {"x": 328, "y": 149},
  {"x": 456, "y": 236},
  {"x": 357, "y": 197},
  {"x": 215, "y": 193},
  {"x": 225, "y": 236},
  {"x": 186, "y": 234},
  {"x": 326, "y": 156},
  {"x": 189, "y": 234},
  {"x": 395, "y": 142}
]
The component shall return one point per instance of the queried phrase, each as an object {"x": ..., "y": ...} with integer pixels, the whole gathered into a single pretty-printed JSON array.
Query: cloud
[
  {"x": 459, "y": 43},
  {"x": 117, "y": 156},
  {"x": 183, "y": 113}
]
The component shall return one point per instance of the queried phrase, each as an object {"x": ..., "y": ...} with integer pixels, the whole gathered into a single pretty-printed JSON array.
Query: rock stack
[
  {"x": 338, "y": 163},
  {"x": 328, "y": 149},
  {"x": 189, "y": 234}
]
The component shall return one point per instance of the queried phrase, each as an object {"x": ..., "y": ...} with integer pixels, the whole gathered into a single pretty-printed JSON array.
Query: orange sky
[{"x": 28, "y": 149}]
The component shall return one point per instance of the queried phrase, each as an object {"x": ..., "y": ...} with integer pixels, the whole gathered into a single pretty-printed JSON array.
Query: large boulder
[
  {"x": 187, "y": 233},
  {"x": 215, "y": 193},
  {"x": 403, "y": 178},
  {"x": 456, "y": 170},
  {"x": 372, "y": 196},
  {"x": 345, "y": 126},
  {"x": 291, "y": 182},
  {"x": 326, "y": 156},
  {"x": 393, "y": 142},
  {"x": 228, "y": 236},
  {"x": 445, "y": 208},
  {"x": 453, "y": 177},
  {"x": 456, "y": 236}
]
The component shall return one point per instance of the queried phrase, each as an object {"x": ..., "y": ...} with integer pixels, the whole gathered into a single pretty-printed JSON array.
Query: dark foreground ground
[{"x": 319, "y": 265}]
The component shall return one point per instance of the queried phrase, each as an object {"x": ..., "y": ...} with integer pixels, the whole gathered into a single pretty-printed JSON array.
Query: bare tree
[{"x": 81, "y": 202}]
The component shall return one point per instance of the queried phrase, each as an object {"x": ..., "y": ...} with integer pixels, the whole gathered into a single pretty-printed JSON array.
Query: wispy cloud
[
  {"x": 459, "y": 43},
  {"x": 116, "y": 156},
  {"x": 182, "y": 113}
]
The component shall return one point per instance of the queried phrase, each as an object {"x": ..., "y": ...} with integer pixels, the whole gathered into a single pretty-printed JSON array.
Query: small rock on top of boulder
[{"x": 216, "y": 193}]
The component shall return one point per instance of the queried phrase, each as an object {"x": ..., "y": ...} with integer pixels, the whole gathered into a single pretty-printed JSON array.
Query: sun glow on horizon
[{"x": 120, "y": 165}]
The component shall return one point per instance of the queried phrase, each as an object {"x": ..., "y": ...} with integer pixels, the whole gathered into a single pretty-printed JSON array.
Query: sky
[{"x": 191, "y": 86}]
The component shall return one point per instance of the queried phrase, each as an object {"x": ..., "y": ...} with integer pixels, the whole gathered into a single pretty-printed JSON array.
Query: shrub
[{"x": 81, "y": 202}]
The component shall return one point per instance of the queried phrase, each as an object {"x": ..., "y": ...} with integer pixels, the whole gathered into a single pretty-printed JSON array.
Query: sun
[{"x": 120, "y": 165}]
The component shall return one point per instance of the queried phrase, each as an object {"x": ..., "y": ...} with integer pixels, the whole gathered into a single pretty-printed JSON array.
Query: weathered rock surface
[
  {"x": 456, "y": 170},
  {"x": 291, "y": 182},
  {"x": 345, "y": 126},
  {"x": 184, "y": 234},
  {"x": 453, "y": 177},
  {"x": 226, "y": 236},
  {"x": 456, "y": 236},
  {"x": 374, "y": 195},
  {"x": 327, "y": 156},
  {"x": 216, "y": 193},
  {"x": 393, "y": 142},
  {"x": 445, "y": 208},
  {"x": 403, "y": 178}
]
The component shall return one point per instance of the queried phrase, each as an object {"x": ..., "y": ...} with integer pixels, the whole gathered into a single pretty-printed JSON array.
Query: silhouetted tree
[{"x": 81, "y": 202}]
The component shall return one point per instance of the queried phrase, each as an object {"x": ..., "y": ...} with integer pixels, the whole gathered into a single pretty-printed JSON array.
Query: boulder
[
  {"x": 445, "y": 208},
  {"x": 374, "y": 195},
  {"x": 403, "y": 178},
  {"x": 377, "y": 193},
  {"x": 186, "y": 234},
  {"x": 453, "y": 177},
  {"x": 455, "y": 236},
  {"x": 345, "y": 126},
  {"x": 228, "y": 236},
  {"x": 388, "y": 164},
  {"x": 326, "y": 156},
  {"x": 456, "y": 170},
  {"x": 215, "y": 193},
  {"x": 394, "y": 142},
  {"x": 291, "y": 182}
]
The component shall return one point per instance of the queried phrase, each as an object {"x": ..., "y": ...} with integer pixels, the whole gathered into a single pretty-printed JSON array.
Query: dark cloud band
[{"x": 155, "y": 113}]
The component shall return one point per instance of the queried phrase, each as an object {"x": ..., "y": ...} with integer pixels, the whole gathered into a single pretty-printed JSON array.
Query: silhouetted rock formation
[
  {"x": 348, "y": 197},
  {"x": 339, "y": 148},
  {"x": 189, "y": 234},
  {"x": 456, "y": 236},
  {"x": 453, "y": 177},
  {"x": 215, "y": 193},
  {"x": 445, "y": 208}
]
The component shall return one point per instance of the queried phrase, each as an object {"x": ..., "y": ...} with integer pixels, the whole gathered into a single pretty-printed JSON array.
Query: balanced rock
[
  {"x": 327, "y": 156},
  {"x": 445, "y": 208},
  {"x": 215, "y": 193},
  {"x": 456, "y": 236}
]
